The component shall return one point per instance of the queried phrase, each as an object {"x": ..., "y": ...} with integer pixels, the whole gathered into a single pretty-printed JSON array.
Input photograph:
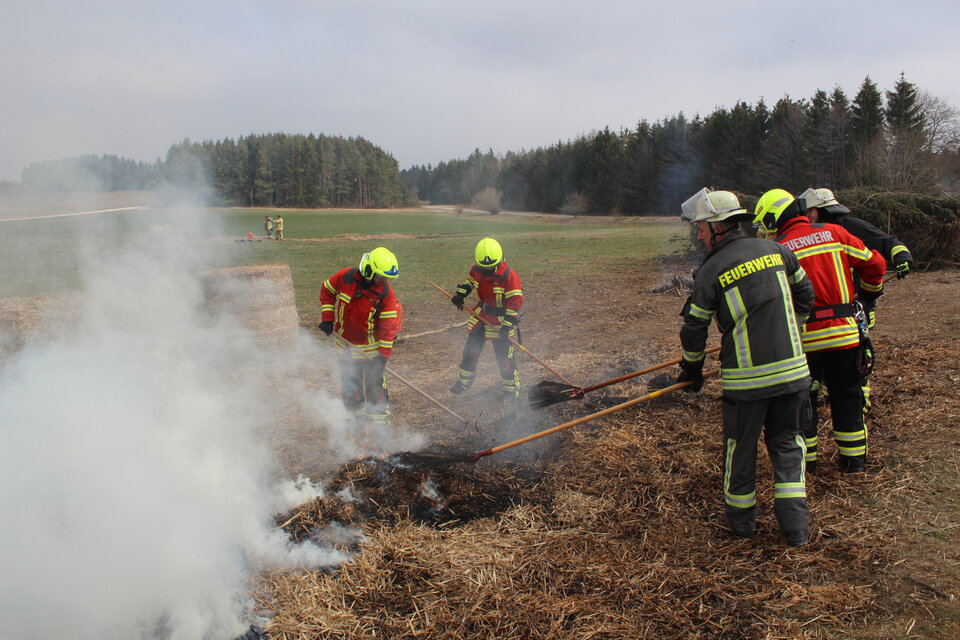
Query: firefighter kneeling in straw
[
  {"x": 759, "y": 296},
  {"x": 498, "y": 287},
  {"x": 358, "y": 307}
]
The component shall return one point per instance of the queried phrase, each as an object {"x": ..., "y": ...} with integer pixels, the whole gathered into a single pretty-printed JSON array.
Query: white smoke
[{"x": 137, "y": 482}]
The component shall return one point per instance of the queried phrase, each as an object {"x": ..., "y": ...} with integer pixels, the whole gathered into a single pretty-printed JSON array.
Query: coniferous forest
[{"x": 897, "y": 140}]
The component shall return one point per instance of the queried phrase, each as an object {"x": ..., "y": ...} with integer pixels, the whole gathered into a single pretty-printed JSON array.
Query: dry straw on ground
[{"x": 620, "y": 537}]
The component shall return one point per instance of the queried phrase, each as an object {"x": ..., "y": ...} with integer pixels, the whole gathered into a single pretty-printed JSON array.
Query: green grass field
[{"x": 44, "y": 256}]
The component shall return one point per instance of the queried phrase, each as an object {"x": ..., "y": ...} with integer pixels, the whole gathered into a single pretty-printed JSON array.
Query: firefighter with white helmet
[
  {"x": 822, "y": 206},
  {"x": 359, "y": 309},
  {"x": 500, "y": 299},
  {"x": 758, "y": 295},
  {"x": 831, "y": 336}
]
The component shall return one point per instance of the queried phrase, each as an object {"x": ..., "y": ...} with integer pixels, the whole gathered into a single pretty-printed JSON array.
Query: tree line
[
  {"x": 274, "y": 170},
  {"x": 902, "y": 140}
]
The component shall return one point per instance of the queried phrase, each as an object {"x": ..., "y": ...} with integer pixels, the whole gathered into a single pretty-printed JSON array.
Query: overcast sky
[{"x": 430, "y": 81}]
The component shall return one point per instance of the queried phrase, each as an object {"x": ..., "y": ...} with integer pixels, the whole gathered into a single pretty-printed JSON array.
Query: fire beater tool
[
  {"x": 517, "y": 344},
  {"x": 426, "y": 395},
  {"x": 427, "y": 458},
  {"x": 592, "y": 416},
  {"x": 548, "y": 392}
]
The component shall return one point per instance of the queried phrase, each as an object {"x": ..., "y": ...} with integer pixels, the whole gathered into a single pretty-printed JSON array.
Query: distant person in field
[
  {"x": 268, "y": 226},
  {"x": 278, "y": 228},
  {"x": 500, "y": 300},
  {"x": 758, "y": 295},
  {"x": 359, "y": 309},
  {"x": 832, "y": 339}
]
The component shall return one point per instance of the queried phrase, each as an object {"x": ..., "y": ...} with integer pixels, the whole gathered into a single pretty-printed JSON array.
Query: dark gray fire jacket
[
  {"x": 890, "y": 247},
  {"x": 760, "y": 297}
]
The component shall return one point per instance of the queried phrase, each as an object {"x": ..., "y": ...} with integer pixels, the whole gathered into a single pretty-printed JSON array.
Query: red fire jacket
[
  {"x": 827, "y": 253},
  {"x": 367, "y": 318},
  {"x": 499, "y": 292}
]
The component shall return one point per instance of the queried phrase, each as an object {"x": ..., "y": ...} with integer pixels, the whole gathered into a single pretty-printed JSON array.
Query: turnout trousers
[
  {"x": 505, "y": 353},
  {"x": 743, "y": 421},
  {"x": 837, "y": 370},
  {"x": 364, "y": 390}
]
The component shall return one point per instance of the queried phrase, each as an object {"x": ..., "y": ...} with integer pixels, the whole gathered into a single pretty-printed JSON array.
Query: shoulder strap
[{"x": 351, "y": 276}]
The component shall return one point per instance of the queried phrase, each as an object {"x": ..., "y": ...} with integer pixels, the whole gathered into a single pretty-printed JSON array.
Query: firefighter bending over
[
  {"x": 831, "y": 335},
  {"x": 498, "y": 287},
  {"x": 358, "y": 307},
  {"x": 759, "y": 296}
]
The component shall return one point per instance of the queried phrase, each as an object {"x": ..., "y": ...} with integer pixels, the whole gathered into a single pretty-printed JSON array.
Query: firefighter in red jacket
[
  {"x": 822, "y": 206},
  {"x": 498, "y": 287},
  {"x": 358, "y": 307},
  {"x": 831, "y": 335}
]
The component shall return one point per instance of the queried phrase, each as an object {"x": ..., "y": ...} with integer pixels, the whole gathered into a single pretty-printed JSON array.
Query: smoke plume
[{"x": 138, "y": 482}]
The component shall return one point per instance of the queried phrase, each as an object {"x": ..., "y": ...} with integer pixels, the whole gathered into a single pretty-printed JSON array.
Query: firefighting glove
[
  {"x": 691, "y": 372},
  {"x": 870, "y": 297},
  {"x": 457, "y": 301},
  {"x": 903, "y": 268},
  {"x": 380, "y": 363},
  {"x": 505, "y": 327},
  {"x": 326, "y": 326}
]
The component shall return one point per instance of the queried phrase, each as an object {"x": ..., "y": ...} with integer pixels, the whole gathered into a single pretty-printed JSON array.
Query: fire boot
[{"x": 797, "y": 538}]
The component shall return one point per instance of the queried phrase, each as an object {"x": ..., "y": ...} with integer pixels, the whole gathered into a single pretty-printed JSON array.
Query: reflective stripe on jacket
[
  {"x": 758, "y": 294},
  {"x": 364, "y": 315},
  {"x": 827, "y": 253}
]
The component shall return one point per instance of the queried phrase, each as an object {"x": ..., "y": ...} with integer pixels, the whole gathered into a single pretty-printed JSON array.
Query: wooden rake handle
[
  {"x": 425, "y": 395},
  {"x": 662, "y": 365},
  {"x": 525, "y": 350},
  {"x": 592, "y": 416}
]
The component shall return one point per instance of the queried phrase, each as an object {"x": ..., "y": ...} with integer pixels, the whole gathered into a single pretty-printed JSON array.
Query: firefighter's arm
[
  {"x": 512, "y": 300},
  {"x": 894, "y": 252},
  {"x": 388, "y": 324},
  {"x": 696, "y": 324},
  {"x": 871, "y": 276},
  {"x": 801, "y": 289},
  {"x": 328, "y": 295}
]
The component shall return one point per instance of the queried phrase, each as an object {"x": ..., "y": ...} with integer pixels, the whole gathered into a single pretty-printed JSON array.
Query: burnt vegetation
[{"x": 617, "y": 532}]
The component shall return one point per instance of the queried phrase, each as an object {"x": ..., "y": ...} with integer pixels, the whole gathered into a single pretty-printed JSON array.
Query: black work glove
[
  {"x": 457, "y": 300},
  {"x": 870, "y": 297},
  {"x": 903, "y": 268},
  {"x": 505, "y": 326},
  {"x": 691, "y": 372},
  {"x": 326, "y": 326},
  {"x": 380, "y": 363}
]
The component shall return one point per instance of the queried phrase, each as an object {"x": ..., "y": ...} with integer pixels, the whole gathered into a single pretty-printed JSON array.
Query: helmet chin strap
[{"x": 714, "y": 234}]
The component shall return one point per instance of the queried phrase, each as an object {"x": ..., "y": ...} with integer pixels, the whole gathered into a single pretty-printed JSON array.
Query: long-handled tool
[
  {"x": 592, "y": 416},
  {"x": 436, "y": 458},
  {"x": 426, "y": 395},
  {"x": 515, "y": 342},
  {"x": 548, "y": 392}
]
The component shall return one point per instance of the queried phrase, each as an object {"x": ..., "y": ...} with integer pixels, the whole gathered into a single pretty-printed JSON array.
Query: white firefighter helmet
[
  {"x": 822, "y": 199},
  {"x": 711, "y": 206}
]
